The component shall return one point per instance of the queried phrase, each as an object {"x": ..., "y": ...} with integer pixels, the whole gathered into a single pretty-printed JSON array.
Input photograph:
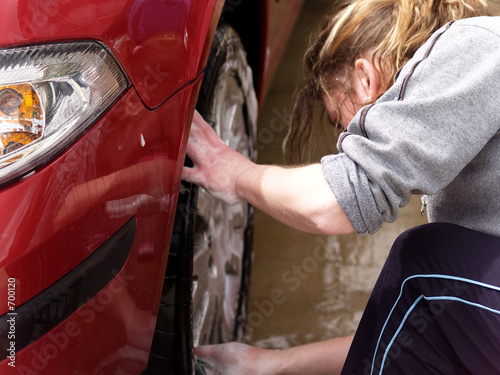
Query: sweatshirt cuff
[{"x": 351, "y": 187}]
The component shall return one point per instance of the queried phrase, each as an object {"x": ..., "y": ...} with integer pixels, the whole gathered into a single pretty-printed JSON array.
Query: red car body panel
[
  {"x": 127, "y": 165},
  {"x": 70, "y": 207},
  {"x": 161, "y": 44}
]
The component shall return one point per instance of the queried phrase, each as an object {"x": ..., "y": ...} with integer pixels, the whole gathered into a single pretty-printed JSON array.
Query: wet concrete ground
[{"x": 304, "y": 287}]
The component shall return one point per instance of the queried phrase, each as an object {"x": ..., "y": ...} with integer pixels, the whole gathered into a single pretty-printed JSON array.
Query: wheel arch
[{"x": 249, "y": 19}]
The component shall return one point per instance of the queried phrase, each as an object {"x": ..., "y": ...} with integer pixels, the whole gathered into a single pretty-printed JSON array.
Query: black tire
[{"x": 171, "y": 351}]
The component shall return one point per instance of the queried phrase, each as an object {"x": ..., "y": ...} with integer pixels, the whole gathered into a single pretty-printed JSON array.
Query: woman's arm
[
  {"x": 320, "y": 358},
  {"x": 299, "y": 197}
]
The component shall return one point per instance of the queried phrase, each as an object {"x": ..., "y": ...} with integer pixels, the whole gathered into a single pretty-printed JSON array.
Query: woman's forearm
[
  {"x": 299, "y": 197},
  {"x": 319, "y": 358}
]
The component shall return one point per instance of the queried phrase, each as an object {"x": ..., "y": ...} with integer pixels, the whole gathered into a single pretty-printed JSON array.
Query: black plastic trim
[{"x": 42, "y": 313}]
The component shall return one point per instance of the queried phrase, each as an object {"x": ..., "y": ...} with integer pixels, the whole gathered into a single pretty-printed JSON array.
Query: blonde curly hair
[{"x": 393, "y": 29}]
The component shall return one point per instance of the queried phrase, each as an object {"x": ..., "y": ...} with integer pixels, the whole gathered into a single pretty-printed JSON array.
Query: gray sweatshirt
[{"x": 434, "y": 132}]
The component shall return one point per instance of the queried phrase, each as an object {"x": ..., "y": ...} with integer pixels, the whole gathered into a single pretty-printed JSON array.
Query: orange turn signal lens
[{"x": 21, "y": 117}]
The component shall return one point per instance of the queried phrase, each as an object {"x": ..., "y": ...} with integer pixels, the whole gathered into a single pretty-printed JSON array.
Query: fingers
[
  {"x": 199, "y": 121},
  {"x": 203, "y": 141},
  {"x": 203, "y": 351},
  {"x": 203, "y": 129},
  {"x": 196, "y": 150},
  {"x": 192, "y": 175},
  {"x": 200, "y": 127},
  {"x": 203, "y": 147}
]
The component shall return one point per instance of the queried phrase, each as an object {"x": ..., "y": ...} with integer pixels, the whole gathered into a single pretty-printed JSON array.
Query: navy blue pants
[{"x": 435, "y": 308}]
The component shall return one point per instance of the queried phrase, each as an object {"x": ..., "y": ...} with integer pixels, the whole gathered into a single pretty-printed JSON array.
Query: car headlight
[{"x": 49, "y": 95}]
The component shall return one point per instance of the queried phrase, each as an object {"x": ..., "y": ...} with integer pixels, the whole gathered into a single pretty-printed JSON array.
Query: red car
[{"x": 104, "y": 267}]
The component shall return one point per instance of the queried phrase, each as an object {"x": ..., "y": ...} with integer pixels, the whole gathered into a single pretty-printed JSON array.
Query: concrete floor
[{"x": 307, "y": 288}]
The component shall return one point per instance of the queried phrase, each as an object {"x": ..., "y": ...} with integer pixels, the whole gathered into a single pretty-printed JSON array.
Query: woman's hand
[{"x": 216, "y": 166}]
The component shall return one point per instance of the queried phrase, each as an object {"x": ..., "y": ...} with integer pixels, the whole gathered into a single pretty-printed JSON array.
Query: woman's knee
[{"x": 430, "y": 244}]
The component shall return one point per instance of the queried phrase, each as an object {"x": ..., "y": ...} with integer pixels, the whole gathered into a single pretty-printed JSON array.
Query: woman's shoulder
[{"x": 488, "y": 23}]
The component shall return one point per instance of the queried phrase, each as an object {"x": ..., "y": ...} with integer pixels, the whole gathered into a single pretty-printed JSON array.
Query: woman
[{"x": 417, "y": 93}]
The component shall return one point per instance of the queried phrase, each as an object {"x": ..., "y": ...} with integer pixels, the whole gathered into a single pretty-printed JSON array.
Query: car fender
[{"x": 161, "y": 59}]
